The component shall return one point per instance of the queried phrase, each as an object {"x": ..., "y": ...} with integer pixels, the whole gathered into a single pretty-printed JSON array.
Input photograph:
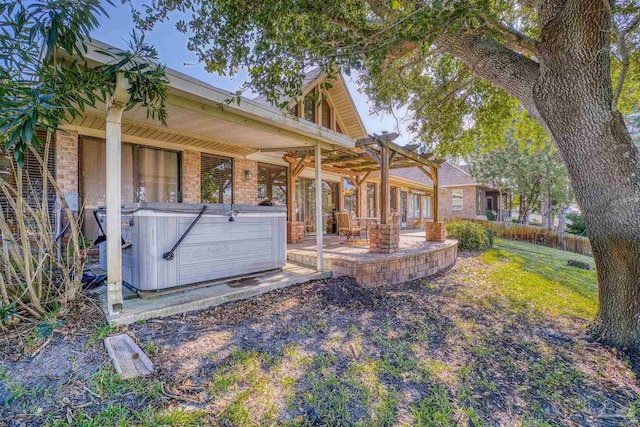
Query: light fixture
[{"x": 247, "y": 174}]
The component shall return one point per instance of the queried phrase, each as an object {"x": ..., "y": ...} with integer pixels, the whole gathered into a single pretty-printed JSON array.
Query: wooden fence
[{"x": 538, "y": 235}]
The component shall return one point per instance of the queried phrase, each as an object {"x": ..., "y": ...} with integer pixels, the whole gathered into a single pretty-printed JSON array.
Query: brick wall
[
  {"x": 245, "y": 191},
  {"x": 67, "y": 161},
  {"x": 295, "y": 231},
  {"x": 384, "y": 238},
  {"x": 435, "y": 231},
  {"x": 398, "y": 268},
  {"x": 191, "y": 176},
  {"x": 445, "y": 207}
]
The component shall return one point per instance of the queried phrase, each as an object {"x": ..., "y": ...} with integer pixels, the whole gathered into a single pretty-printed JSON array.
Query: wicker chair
[{"x": 347, "y": 226}]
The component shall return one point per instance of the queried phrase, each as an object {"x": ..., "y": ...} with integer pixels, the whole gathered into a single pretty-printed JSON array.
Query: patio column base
[
  {"x": 295, "y": 231},
  {"x": 384, "y": 238},
  {"x": 435, "y": 231}
]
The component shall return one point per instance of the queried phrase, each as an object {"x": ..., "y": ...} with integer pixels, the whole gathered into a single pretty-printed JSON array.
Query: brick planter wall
[
  {"x": 397, "y": 268},
  {"x": 295, "y": 231},
  {"x": 384, "y": 238},
  {"x": 435, "y": 231}
]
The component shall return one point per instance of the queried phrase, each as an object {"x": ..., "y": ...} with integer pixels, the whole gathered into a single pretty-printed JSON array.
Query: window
[
  {"x": 414, "y": 205},
  {"x": 32, "y": 178},
  {"x": 309, "y": 107},
  {"x": 158, "y": 175},
  {"x": 326, "y": 114},
  {"x": 216, "y": 179},
  {"x": 426, "y": 207},
  {"x": 480, "y": 204},
  {"x": 349, "y": 194},
  {"x": 393, "y": 195},
  {"x": 371, "y": 200},
  {"x": 456, "y": 197},
  {"x": 272, "y": 184},
  {"x": 148, "y": 175}
]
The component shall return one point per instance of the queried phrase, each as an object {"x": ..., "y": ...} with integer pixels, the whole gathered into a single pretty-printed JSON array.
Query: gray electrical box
[{"x": 73, "y": 201}]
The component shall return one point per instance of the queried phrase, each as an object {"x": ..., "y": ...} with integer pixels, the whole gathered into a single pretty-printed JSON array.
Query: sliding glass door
[
  {"x": 306, "y": 204},
  {"x": 148, "y": 175}
]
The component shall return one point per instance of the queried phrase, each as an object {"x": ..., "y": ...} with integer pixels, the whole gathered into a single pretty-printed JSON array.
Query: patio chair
[
  {"x": 347, "y": 226},
  {"x": 397, "y": 219}
]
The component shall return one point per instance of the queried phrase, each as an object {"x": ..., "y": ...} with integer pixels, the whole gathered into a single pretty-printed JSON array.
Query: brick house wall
[
  {"x": 67, "y": 169},
  {"x": 469, "y": 196},
  {"x": 191, "y": 166},
  {"x": 245, "y": 191}
]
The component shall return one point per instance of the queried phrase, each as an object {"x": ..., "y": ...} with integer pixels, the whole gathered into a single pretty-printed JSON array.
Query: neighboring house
[{"x": 464, "y": 197}]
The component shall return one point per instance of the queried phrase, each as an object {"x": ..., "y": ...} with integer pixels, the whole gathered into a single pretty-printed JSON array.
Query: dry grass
[{"x": 461, "y": 349}]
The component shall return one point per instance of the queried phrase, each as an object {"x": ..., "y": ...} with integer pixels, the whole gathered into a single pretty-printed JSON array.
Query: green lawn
[{"x": 538, "y": 276}]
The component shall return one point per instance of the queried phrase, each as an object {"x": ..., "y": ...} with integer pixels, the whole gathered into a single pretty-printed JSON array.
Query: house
[
  {"x": 334, "y": 109},
  {"x": 464, "y": 197},
  {"x": 243, "y": 153}
]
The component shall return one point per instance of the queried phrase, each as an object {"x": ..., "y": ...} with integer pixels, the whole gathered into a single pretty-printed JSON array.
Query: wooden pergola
[{"x": 377, "y": 152}]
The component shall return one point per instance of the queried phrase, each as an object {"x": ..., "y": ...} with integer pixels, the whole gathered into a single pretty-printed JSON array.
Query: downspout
[{"x": 116, "y": 104}]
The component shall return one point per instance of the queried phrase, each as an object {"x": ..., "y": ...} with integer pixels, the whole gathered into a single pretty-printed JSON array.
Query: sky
[{"x": 172, "y": 49}]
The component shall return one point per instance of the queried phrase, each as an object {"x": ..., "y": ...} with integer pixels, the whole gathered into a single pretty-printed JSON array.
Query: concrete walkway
[{"x": 169, "y": 304}]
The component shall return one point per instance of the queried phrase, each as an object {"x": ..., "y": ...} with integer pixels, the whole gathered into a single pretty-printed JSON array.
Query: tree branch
[
  {"x": 491, "y": 60},
  {"x": 621, "y": 35},
  {"x": 521, "y": 42}
]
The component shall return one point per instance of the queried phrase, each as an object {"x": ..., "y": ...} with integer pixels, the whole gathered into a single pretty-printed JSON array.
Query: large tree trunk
[
  {"x": 573, "y": 97},
  {"x": 568, "y": 90}
]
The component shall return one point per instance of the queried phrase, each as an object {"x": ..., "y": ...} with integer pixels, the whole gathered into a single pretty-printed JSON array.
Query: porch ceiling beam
[
  {"x": 375, "y": 139},
  {"x": 408, "y": 154},
  {"x": 281, "y": 149},
  {"x": 372, "y": 154},
  {"x": 299, "y": 167}
]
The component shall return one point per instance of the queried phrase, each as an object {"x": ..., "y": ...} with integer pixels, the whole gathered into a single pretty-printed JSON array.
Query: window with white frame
[
  {"x": 456, "y": 197},
  {"x": 414, "y": 206}
]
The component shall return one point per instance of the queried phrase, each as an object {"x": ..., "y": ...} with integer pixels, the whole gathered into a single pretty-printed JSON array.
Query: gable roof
[
  {"x": 413, "y": 174},
  {"x": 451, "y": 175},
  {"x": 339, "y": 97}
]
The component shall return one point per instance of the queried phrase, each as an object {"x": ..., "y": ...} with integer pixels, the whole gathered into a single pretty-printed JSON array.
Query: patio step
[
  {"x": 201, "y": 298},
  {"x": 308, "y": 260}
]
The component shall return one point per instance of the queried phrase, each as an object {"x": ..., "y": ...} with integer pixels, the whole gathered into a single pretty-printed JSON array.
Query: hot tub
[{"x": 226, "y": 241}]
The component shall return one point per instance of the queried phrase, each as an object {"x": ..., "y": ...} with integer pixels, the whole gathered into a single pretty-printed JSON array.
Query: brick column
[
  {"x": 384, "y": 238},
  {"x": 67, "y": 176},
  {"x": 191, "y": 166},
  {"x": 435, "y": 231},
  {"x": 295, "y": 231},
  {"x": 245, "y": 191}
]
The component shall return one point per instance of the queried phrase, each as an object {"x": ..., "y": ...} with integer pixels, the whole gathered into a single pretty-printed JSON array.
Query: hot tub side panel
[
  {"x": 156, "y": 235},
  {"x": 218, "y": 248}
]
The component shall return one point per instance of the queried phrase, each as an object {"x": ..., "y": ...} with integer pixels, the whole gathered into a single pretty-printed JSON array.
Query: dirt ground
[{"x": 444, "y": 351}]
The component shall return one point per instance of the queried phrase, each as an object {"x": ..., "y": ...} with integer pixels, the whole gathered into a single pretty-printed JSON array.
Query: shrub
[
  {"x": 575, "y": 224},
  {"x": 471, "y": 236},
  {"x": 491, "y": 215}
]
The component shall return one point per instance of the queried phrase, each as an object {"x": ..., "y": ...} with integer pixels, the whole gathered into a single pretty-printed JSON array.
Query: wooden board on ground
[{"x": 128, "y": 359}]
